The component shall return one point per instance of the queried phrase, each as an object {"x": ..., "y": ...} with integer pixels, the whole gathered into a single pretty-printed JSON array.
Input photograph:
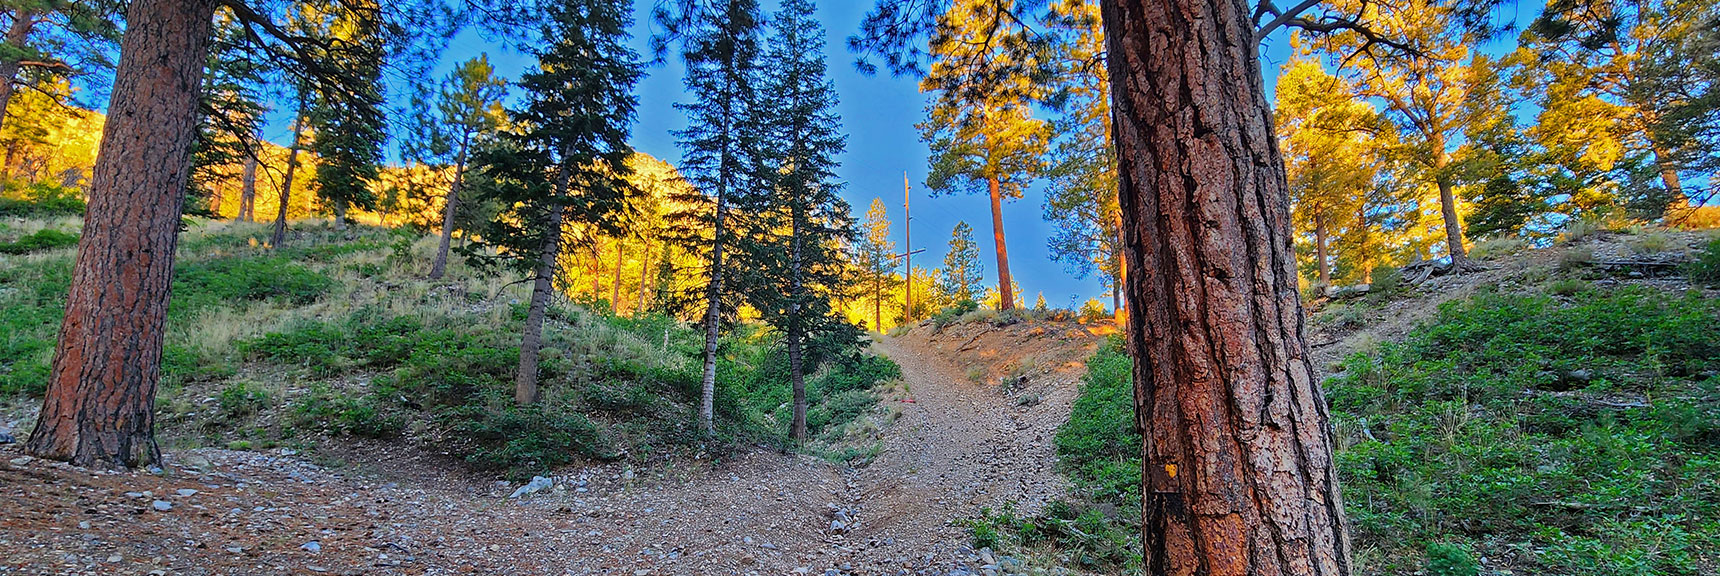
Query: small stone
[
  {"x": 161, "y": 505},
  {"x": 235, "y": 549},
  {"x": 21, "y": 460},
  {"x": 186, "y": 492},
  {"x": 312, "y": 547},
  {"x": 6, "y": 437},
  {"x": 538, "y": 484},
  {"x": 837, "y": 527},
  {"x": 85, "y": 525},
  {"x": 115, "y": 559}
]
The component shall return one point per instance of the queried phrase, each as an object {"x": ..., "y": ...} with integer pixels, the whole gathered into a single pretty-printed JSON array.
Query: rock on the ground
[
  {"x": 538, "y": 484},
  {"x": 161, "y": 505},
  {"x": 6, "y": 437}
]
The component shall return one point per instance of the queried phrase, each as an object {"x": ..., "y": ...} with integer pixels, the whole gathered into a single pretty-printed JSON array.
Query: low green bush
[
  {"x": 208, "y": 283},
  {"x": 524, "y": 440},
  {"x": 45, "y": 239},
  {"x": 1704, "y": 266},
  {"x": 40, "y": 200}
]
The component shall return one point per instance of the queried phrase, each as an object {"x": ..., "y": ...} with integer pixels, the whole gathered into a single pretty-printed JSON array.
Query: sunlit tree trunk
[
  {"x": 1005, "y": 283},
  {"x": 99, "y": 407},
  {"x": 639, "y": 303},
  {"x": 1322, "y": 266},
  {"x": 248, "y": 192},
  {"x": 1448, "y": 204},
  {"x": 1237, "y": 470},
  {"x": 615, "y": 281},
  {"x": 279, "y": 236},
  {"x": 450, "y": 207}
]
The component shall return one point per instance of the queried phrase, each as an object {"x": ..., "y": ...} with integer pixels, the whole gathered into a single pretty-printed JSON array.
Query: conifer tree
[
  {"x": 963, "y": 270},
  {"x": 876, "y": 256},
  {"x": 564, "y": 159},
  {"x": 721, "y": 144},
  {"x": 1081, "y": 198},
  {"x": 468, "y": 107},
  {"x": 350, "y": 125},
  {"x": 805, "y": 136},
  {"x": 981, "y": 127}
]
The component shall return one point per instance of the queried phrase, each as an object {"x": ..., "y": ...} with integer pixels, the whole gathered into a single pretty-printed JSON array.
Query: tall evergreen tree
[
  {"x": 805, "y": 137},
  {"x": 963, "y": 270},
  {"x": 721, "y": 143},
  {"x": 981, "y": 126},
  {"x": 350, "y": 124},
  {"x": 468, "y": 107},
  {"x": 48, "y": 39},
  {"x": 876, "y": 256},
  {"x": 564, "y": 159}
]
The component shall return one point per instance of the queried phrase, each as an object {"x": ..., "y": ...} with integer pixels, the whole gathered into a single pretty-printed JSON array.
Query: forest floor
[{"x": 973, "y": 421}]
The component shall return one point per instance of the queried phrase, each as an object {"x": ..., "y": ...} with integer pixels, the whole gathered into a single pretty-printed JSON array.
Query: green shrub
[
  {"x": 953, "y": 313},
  {"x": 241, "y": 399},
  {"x": 32, "y": 303},
  {"x": 1100, "y": 432},
  {"x": 45, "y": 239},
  {"x": 1704, "y": 267},
  {"x": 204, "y": 284},
  {"x": 1450, "y": 560},
  {"x": 327, "y": 410},
  {"x": 38, "y": 200},
  {"x": 1385, "y": 280},
  {"x": 524, "y": 440}
]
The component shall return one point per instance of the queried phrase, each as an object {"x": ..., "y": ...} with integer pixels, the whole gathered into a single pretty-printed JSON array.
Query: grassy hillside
[
  {"x": 337, "y": 335},
  {"x": 1564, "y": 427}
]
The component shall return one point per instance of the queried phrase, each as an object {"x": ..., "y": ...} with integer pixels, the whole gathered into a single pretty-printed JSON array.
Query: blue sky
[{"x": 879, "y": 113}]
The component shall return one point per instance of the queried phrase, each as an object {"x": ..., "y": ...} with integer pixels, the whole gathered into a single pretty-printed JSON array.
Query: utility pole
[{"x": 908, "y": 250}]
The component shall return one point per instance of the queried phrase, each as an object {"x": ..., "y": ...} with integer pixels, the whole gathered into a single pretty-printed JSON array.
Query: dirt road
[{"x": 957, "y": 446}]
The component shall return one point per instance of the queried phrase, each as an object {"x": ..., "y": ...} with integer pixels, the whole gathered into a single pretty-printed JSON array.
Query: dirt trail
[{"x": 957, "y": 446}]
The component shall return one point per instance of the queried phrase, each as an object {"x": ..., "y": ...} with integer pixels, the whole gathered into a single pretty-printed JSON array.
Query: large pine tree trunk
[
  {"x": 248, "y": 192},
  {"x": 279, "y": 237},
  {"x": 1237, "y": 467},
  {"x": 99, "y": 409},
  {"x": 1005, "y": 283},
  {"x": 713, "y": 315},
  {"x": 23, "y": 20},
  {"x": 526, "y": 377},
  {"x": 449, "y": 208}
]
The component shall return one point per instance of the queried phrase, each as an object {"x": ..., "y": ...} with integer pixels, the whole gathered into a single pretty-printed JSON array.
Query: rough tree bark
[
  {"x": 1448, "y": 205},
  {"x": 526, "y": 377},
  {"x": 248, "y": 192},
  {"x": 279, "y": 237},
  {"x": 23, "y": 21},
  {"x": 99, "y": 408},
  {"x": 1005, "y": 283},
  {"x": 1237, "y": 467},
  {"x": 449, "y": 207},
  {"x": 713, "y": 315}
]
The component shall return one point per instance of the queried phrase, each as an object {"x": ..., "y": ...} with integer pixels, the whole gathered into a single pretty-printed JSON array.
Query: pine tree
[
  {"x": 1081, "y": 200},
  {"x": 56, "y": 39},
  {"x": 981, "y": 127},
  {"x": 721, "y": 144},
  {"x": 350, "y": 124},
  {"x": 875, "y": 255},
  {"x": 564, "y": 159},
  {"x": 1328, "y": 158},
  {"x": 468, "y": 108},
  {"x": 1427, "y": 97},
  {"x": 805, "y": 268},
  {"x": 963, "y": 272}
]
